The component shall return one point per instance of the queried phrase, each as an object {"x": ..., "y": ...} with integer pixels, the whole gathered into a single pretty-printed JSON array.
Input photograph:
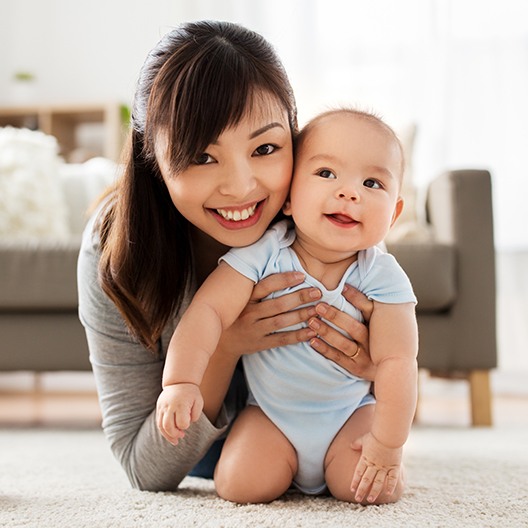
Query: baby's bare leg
[
  {"x": 257, "y": 463},
  {"x": 341, "y": 460}
]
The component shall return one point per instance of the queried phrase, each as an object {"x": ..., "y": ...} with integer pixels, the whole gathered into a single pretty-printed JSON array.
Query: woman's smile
[{"x": 238, "y": 217}]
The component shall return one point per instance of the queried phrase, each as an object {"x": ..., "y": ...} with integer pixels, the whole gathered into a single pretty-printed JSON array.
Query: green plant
[
  {"x": 23, "y": 76},
  {"x": 125, "y": 112}
]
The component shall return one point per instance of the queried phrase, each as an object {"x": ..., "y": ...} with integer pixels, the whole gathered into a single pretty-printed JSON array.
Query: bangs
[{"x": 191, "y": 105}]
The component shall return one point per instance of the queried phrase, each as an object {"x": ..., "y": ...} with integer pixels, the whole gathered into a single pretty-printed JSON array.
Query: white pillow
[
  {"x": 31, "y": 201},
  {"x": 410, "y": 226},
  {"x": 82, "y": 184}
]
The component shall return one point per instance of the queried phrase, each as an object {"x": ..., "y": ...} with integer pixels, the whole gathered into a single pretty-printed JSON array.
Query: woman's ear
[{"x": 286, "y": 208}]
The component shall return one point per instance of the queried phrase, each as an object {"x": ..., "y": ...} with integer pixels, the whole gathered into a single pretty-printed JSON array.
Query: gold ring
[{"x": 356, "y": 353}]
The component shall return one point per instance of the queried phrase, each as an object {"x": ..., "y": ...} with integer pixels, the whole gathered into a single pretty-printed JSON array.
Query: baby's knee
[
  {"x": 242, "y": 487},
  {"x": 251, "y": 483},
  {"x": 230, "y": 486}
]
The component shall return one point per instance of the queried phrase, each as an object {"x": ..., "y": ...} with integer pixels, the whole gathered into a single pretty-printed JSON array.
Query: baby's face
[{"x": 346, "y": 184}]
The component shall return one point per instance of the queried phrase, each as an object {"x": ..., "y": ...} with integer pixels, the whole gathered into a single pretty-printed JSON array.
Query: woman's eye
[
  {"x": 372, "y": 184},
  {"x": 265, "y": 150},
  {"x": 203, "y": 159},
  {"x": 327, "y": 174}
]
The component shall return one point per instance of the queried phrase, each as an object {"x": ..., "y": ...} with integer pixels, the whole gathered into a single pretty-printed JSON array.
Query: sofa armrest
[
  {"x": 460, "y": 213},
  {"x": 431, "y": 267}
]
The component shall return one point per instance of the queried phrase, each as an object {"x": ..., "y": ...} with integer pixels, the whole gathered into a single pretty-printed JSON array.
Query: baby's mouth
[
  {"x": 237, "y": 215},
  {"x": 341, "y": 218}
]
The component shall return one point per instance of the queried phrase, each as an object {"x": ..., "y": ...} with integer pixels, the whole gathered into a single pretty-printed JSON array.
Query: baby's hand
[
  {"x": 178, "y": 405},
  {"x": 378, "y": 469}
]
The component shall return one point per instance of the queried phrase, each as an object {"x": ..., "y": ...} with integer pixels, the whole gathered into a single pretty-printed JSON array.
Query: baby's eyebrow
[
  {"x": 265, "y": 128},
  {"x": 324, "y": 157},
  {"x": 383, "y": 170},
  {"x": 335, "y": 159}
]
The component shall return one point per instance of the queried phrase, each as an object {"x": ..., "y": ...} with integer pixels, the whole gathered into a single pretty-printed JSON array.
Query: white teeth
[{"x": 236, "y": 216}]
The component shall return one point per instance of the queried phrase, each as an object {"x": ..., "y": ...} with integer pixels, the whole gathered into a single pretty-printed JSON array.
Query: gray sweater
[{"x": 128, "y": 380}]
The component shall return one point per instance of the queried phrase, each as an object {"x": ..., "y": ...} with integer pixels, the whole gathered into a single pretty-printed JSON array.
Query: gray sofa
[{"x": 453, "y": 274}]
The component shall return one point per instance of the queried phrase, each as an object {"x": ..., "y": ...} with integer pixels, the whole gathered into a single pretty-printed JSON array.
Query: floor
[{"x": 56, "y": 403}]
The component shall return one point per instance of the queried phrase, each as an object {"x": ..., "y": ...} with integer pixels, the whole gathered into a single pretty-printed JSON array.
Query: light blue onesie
[{"x": 307, "y": 396}]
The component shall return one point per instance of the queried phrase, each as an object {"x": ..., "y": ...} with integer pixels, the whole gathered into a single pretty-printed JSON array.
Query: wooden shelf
[{"x": 63, "y": 121}]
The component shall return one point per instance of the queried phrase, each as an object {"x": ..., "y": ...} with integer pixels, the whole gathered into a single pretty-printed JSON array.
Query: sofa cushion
[
  {"x": 431, "y": 267},
  {"x": 38, "y": 274}
]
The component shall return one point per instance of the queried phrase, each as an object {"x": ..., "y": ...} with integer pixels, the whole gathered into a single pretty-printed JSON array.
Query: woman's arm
[{"x": 128, "y": 380}]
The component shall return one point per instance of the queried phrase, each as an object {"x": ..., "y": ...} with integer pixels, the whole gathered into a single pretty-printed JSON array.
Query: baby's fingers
[
  {"x": 377, "y": 486},
  {"x": 168, "y": 428},
  {"x": 358, "y": 475},
  {"x": 393, "y": 477},
  {"x": 183, "y": 420},
  {"x": 173, "y": 438},
  {"x": 196, "y": 410},
  {"x": 187, "y": 411},
  {"x": 365, "y": 484}
]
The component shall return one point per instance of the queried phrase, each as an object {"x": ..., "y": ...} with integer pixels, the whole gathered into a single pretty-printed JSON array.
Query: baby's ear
[
  {"x": 397, "y": 210},
  {"x": 286, "y": 208}
]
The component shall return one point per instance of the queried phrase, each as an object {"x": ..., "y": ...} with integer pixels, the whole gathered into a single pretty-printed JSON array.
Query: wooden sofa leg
[{"x": 480, "y": 394}]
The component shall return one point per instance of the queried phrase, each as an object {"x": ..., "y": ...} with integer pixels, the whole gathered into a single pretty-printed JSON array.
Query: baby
[{"x": 305, "y": 413}]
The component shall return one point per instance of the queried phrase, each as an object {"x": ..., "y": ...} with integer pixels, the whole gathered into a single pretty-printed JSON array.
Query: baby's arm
[
  {"x": 215, "y": 306},
  {"x": 394, "y": 347}
]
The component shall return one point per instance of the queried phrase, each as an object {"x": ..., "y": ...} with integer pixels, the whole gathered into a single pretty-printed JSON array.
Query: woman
[{"x": 162, "y": 229}]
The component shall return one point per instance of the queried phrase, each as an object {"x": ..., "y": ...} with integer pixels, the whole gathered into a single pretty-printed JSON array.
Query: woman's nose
[{"x": 238, "y": 180}]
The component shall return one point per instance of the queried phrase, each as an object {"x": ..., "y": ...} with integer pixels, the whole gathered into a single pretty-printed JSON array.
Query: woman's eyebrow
[{"x": 265, "y": 129}]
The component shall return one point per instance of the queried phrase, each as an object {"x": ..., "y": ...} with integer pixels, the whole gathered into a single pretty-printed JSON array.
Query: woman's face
[{"x": 235, "y": 187}]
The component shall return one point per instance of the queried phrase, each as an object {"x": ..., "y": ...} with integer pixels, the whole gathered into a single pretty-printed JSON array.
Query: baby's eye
[
  {"x": 327, "y": 174},
  {"x": 372, "y": 184},
  {"x": 203, "y": 159},
  {"x": 265, "y": 150}
]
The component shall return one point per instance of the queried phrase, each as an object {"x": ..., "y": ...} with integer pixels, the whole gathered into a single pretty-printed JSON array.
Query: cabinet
[{"x": 106, "y": 125}]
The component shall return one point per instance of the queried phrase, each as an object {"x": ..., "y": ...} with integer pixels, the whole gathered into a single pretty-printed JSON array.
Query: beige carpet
[{"x": 457, "y": 478}]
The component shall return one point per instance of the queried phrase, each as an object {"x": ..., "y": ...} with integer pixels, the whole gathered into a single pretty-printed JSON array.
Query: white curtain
[{"x": 457, "y": 69}]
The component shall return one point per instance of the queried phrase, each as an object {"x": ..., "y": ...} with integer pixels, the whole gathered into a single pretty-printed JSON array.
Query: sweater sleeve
[{"x": 128, "y": 381}]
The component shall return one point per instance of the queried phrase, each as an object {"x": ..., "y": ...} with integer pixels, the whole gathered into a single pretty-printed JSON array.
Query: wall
[
  {"x": 79, "y": 51},
  {"x": 92, "y": 50},
  {"x": 456, "y": 68}
]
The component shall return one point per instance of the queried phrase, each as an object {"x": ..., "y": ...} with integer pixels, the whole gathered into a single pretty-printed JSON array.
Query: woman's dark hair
[{"x": 200, "y": 79}]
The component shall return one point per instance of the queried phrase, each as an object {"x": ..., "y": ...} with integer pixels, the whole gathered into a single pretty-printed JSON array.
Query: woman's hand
[
  {"x": 353, "y": 355},
  {"x": 259, "y": 325}
]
